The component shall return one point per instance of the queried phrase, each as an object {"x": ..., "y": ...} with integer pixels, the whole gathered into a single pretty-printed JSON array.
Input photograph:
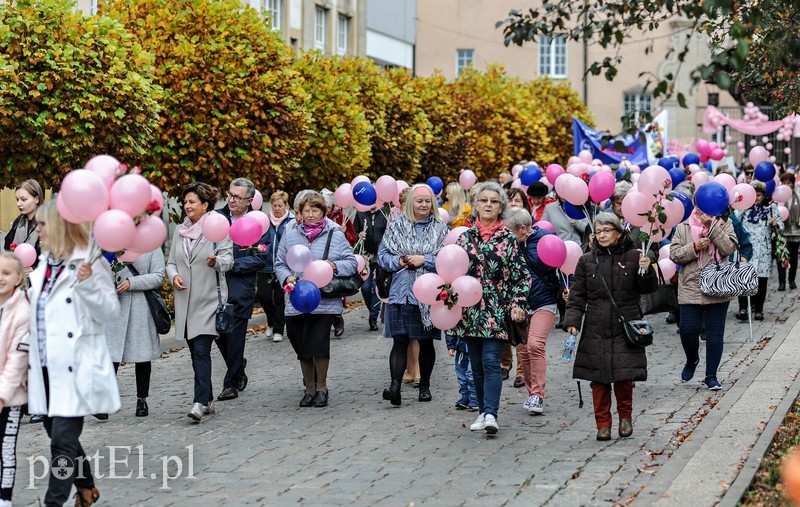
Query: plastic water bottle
[{"x": 569, "y": 348}]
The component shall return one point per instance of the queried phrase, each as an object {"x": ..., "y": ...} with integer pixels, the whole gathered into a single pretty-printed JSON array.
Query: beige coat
[
  {"x": 195, "y": 307},
  {"x": 15, "y": 321},
  {"x": 682, "y": 252}
]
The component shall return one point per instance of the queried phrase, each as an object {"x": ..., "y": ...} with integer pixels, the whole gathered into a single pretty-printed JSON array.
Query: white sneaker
[
  {"x": 479, "y": 424},
  {"x": 490, "y": 424},
  {"x": 196, "y": 413},
  {"x": 536, "y": 405},
  {"x": 269, "y": 332},
  {"x": 527, "y": 404},
  {"x": 277, "y": 337}
]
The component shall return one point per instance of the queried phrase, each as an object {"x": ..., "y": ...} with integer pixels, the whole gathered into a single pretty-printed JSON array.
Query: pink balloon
[
  {"x": 467, "y": 179},
  {"x": 726, "y": 180},
  {"x": 215, "y": 227},
  {"x": 452, "y": 261},
  {"x": 453, "y": 235},
  {"x": 262, "y": 218},
  {"x": 426, "y": 288},
  {"x": 703, "y": 148},
  {"x": 552, "y": 173},
  {"x": 574, "y": 253},
  {"x": 386, "y": 188},
  {"x": 654, "y": 179},
  {"x": 668, "y": 268},
  {"x": 114, "y": 230},
  {"x": 104, "y": 166},
  {"x": 674, "y": 211},
  {"x": 319, "y": 273},
  {"x": 601, "y": 186},
  {"x": 516, "y": 170},
  {"x": 298, "y": 257},
  {"x": 130, "y": 193},
  {"x": 544, "y": 224},
  {"x": 783, "y": 211},
  {"x": 633, "y": 205},
  {"x": 576, "y": 169},
  {"x": 150, "y": 234},
  {"x": 576, "y": 192},
  {"x": 758, "y": 154},
  {"x": 444, "y": 318},
  {"x": 699, "y": 178},
  {"x": 258, "y": 201},
  {"x": 65, "y": 213},
  {"x": 129, "y": 256},
  {"x": 343, "y": 197},
  {"x": 246, "y": 231},
  {"x": 717, "y": 154},
  {"x": 157, "y": 196},
  {"x": 359, "y": 179},
  {"x": 362, "y": 263},
  {"x": 663, "y": 252},
  {"x": 781, "y": 194},
  {"x": 585, "y": 156},
  {"x": 26, "y": 254},
  {"x": 444, "y": 215},
  {"x": 362, "y": 207},
  {"x": 552, "y": 250},
  {"x": 742, "y": 196},
  {"x": 85, "y": 194},
  {"x": 573, "y": 160},
  {"x": 469, "y": 290},
  {"x": 517, "y": 183},
  {"x": 635, "y": 178}
]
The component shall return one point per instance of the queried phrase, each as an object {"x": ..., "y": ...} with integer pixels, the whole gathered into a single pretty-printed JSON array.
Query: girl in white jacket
[{"x": 15, "y": 316}]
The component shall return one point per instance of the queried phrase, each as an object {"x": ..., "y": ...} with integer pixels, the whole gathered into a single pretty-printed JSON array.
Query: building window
[
  {"x": 319, "y": 28},
  {"x": 553, "y": 56},
  {"x": 93, "y": 7},
  {"x": 637, "y": 108},
  {"x": 343, "y": 36},
  {"x": 465, "y": 58},
  {"x": 273, "y": 8}
]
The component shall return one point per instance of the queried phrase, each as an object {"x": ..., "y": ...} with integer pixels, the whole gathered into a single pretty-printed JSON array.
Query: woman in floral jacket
[{"x": 497, "y": 261}]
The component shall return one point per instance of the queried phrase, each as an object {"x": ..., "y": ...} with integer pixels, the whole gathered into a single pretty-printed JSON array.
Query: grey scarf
[
  {"x": 21, "y": 234},
  {"x": 402, "y": 239}
]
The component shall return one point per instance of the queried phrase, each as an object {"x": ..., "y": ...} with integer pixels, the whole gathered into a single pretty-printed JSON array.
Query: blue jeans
[
  {"x": 368, "y": 293},
  {"x": 484, "y": 354},
  {"x": 200, "y": 350},
  {"x": 711, "y": 320},
  {"x": 466, "y": 385}
]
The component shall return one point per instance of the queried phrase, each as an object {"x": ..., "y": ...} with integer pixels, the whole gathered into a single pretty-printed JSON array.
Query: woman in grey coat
[
  {"x": 132, "y": 337},
  {"x": 310, "y": 334},
  {"x": 196, "y": 268}
]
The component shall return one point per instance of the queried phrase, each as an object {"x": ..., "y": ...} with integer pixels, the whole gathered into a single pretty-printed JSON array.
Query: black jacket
[{"x": 374, "y": 224}]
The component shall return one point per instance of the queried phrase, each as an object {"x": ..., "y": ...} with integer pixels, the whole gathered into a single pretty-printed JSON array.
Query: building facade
[{"x": 392, "y": 32}]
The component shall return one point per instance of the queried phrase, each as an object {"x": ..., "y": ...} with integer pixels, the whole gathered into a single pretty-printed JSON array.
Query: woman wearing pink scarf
[{"x": 697, "y": 242}]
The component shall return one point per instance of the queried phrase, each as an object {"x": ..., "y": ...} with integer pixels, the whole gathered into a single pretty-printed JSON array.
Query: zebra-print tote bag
[{"x": 728, "y": 279}]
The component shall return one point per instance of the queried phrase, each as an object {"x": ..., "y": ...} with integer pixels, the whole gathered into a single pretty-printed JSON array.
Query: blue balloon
[
  {"x": 305, "y": 297},
  {"x": 529, "y": 175},
  {"x": 364, "y": 194},
  {"x": 708, "y": 167},
  {"x": 573, "y": 212},
  {"x": 684, "y": 199},
  {"x": 765, "y": 171},
  {"x": 678, "y": 176},
  {"x": 109, "y": 256},
  {"x": 436, "y": 184},
  {"x": 712, "y": 199},
  {"x": 689, "y": 159},
  {"x": 620, "y": 174},
  {"x": 669, "y": 162},
  {"x": 770, "y": 187}
]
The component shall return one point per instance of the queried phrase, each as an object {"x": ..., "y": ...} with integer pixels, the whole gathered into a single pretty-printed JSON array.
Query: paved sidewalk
[{"x": 262, "y": 449}]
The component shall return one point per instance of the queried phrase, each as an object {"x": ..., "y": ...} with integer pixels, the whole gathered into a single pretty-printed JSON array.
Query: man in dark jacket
[
  {"x": 241, "y": 279},
  {"x": 371, "y": 226}
]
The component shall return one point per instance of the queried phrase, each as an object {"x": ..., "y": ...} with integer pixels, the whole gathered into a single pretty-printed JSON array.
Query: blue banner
[{"x": 586, "y": 138}]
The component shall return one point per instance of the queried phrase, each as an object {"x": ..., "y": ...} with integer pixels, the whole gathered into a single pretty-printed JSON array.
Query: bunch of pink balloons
[
  {"x": 572, "y": 189},
  {"x": 667, "y": 267},
  {"x": 387, "y": 191},
  {"x": 709, "y": 150},
  {"x": 122, "y": 207}
]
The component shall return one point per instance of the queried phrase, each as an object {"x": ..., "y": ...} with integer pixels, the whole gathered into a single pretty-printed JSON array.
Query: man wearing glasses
[{"x": 241, "y": 279}]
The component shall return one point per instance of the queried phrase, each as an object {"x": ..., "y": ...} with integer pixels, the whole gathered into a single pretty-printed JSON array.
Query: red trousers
[{"x": 601, "y": 396}]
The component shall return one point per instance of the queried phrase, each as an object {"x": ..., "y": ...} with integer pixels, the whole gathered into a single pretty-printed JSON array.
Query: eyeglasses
[
  {"x": 493, "y": 202},
  {"x": 604, "y": 231},
  {"x": 748, "y": 173},
  {"x": 236, "y": 198}
]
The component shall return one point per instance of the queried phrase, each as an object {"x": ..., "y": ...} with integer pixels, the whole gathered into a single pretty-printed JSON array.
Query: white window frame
[
  {"x": 343, "y": 35},
  {"x": 275, "y": 9},
  {"x": 553, "y": 56},
  {"x": 93, "y": 7},
  {"x": 320, "y": 28},
  {"x": 633, "y": 103},
  {"x": 465, "y": 58}
]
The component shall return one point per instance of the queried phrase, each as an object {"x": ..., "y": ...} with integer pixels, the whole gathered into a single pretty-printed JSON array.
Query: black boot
[
  {"x": 425, "y": 393},
  {"x": 392, "y": 394},
  {"x": 338, "y": 326}
]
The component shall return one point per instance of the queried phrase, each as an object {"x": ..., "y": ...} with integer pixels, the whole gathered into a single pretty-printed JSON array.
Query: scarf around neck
[
  {"x": 402, "y": 238},
  {"x": 700, "y": 231},
  {"x": 275, "y": 221},
  {"x": 487, "y": 231},
  {"x": 758, "y": 213},
  {"x": 191, "y": 232},
  {"x": 313, "y": 230}
]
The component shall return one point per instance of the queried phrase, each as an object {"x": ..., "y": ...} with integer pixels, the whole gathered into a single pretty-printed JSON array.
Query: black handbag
[
  {"x": 518, "y": 331},
  {"x": 224, "y": 314},
  {"x": 664, "y": 299},
  {"x": 383, "y": 281},
  {"x": 158, "y": 310},
  {"x": 638, "y": 333},
  {"x": 340, "y": 286}
]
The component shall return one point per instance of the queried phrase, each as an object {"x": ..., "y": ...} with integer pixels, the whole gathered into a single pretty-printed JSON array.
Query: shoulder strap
[
  {"x": 219, "y": 290},
  {"x": 132, "y": 269},
  {"x": 327, "y": 245},
  {"x": 610, "y": 295}
]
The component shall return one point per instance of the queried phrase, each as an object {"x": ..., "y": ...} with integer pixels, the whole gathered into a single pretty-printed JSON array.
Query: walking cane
[
  {"x": 749, "y": 319},
  {"x": 580, "y": 396}
]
